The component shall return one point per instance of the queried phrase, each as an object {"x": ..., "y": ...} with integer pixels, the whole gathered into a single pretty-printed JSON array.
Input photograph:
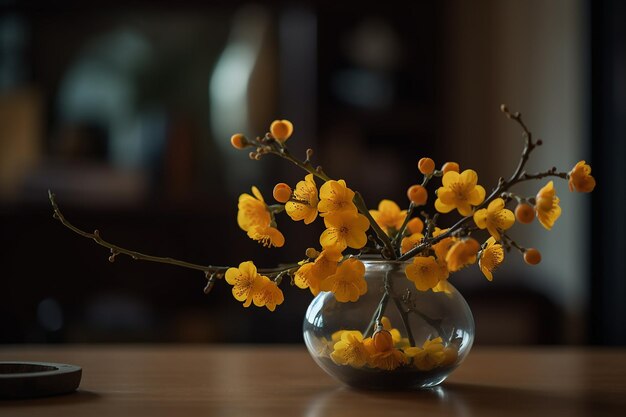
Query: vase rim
[{"x": 378, "y": 260}]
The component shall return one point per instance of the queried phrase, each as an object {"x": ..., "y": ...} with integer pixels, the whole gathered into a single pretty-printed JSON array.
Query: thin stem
[
  {"x": 209, "y": 270},
  {"x": 405, "y": 321},
  {"x": 378, "y": 313},
  {"x": 400, "y": 233},
  {"x": 358, "y": 199},
  {"x": 503, "y": 185},
  {"x": 380, "y": 233}
]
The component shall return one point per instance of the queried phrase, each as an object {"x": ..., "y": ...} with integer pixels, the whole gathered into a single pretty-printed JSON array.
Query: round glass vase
[{"x": 432, "y": 332}]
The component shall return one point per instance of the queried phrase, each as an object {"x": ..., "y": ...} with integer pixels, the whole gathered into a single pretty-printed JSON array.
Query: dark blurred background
[{"x": 125, "y": 110}]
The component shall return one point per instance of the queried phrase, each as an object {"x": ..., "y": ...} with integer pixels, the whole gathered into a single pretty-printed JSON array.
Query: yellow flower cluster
[
  {"x": 250, "y": 287},
  {"x": 386, "y": 350},
  {"x": 435, "y": 253}
]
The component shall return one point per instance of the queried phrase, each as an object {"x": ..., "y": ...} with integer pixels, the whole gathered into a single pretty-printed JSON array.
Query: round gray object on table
[{"x": 37, "y": 379}]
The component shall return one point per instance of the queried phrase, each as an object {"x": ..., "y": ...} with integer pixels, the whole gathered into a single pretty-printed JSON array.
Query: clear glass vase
[{"x": 431, "y": 332}]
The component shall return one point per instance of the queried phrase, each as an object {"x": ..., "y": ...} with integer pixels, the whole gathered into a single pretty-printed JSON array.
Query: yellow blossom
[
  {"x": 547, "y": 206},
  {"x": 450, "y": 355},
  {"x": 266, "y": 293},
  {"x": 459, "y": 191},
  {"x": 424, "y": 272},
  {"x": 388, "y": 216},
  {"x": 491, "y": 257},
  {"x": 254, "y": 217},
  {"x": 266, "y": 235},
  {"x": 335, "y": 196},
  {"x": 349, "y": 350},
  {"x": 410, "y": 242},
  {"x": 348, "y": 282},
  {"x": 311, "y": 275},
  {"x": 344, "y": 229},
  {"x": 243, "y": 280},
  {"x": 387, "y": 360},
  {"x": 462, "y": 253},
  {"x": 443, "y": 286},
  {"x": 252, "y": 210},
  {"x": 429, "y": 356},
  {"x": 495, "y": 218},
  {"x": 580, "y": 178},
  {"x": 442, "y": 247},
  {"x": 303, "y": 205}
]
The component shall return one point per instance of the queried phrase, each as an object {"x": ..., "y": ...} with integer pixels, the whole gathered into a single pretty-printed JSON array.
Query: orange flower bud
[
  {"x": 532, "y": 256},
  {"x": 524, "y": 213},
  {"x": 417, "y": 194},
  {"x": 450, "y": 166},
  {"x": 239, "y": 141},
  {"x": 426, "y": 166},
  {"x": 281, "y": 130},
  {"x": 282, "y": 192},
  {"x": 312, "y": 253},
  {"x": 383, "y": 341},
  {"x": 415, "y": 225}
]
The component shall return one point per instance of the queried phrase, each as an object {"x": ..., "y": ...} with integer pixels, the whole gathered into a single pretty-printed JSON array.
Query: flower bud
[
  {"x": 532, "y": 256},
  {"x": 417, "y": 194},
  {"x": 524, "y": 213},
  {"x": 383, "y": 341},
  {"x": 281, "y": 130},
  {"x": 415, "y": 225},
  {"x": 450, "y": 166},
  {"x": 312, "y": 253},
  {"x": 282, "y": 192},
  {"x": 426, "y": 166},
  {"x": 239, "y": 141}
]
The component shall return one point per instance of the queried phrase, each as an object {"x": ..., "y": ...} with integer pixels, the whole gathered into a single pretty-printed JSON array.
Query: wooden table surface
[{"x": 198, "y": 380}]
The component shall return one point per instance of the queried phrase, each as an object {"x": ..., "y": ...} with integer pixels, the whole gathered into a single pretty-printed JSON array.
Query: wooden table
[{"x": 276, "y": 381}]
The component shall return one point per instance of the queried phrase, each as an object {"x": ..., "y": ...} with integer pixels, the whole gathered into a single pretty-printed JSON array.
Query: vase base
[{"x": 403, "y": 378}]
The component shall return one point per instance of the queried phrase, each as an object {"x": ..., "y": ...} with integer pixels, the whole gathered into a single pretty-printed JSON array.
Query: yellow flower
[
  {"x": 335, "y": 196},
  {"x": 442, "y": 247},
  {"x": 462, "y": 253},
  {"x": 450, "y": 355},
  {"x": 348, "y": 282},
  {"x": 495, "y": 218},
  {"x": 491, "y": 257},
  {"x": 443, "y": 286},
  {"x": 387, "y": 360},
  {"x": 425, "y": 272},
  {"x": 580, "y": 178},
  {"x": 266, "y": 235},
  {"x": 344, "y": 229},
  {"x": 311, "y": 275},
  {"x": 303, "y": 205},
  {"x": 349, "y": 350},
  {"x": 252, "y": 210},
  {"x": 429, "y": 356},
  {"x": 547, "y": 206},
  {"x": 459, "y": 191},
  {"x": 410, "y": 242},
  {"x": 254, "y": 217},
  {"x": 388, "y": 216},
  {"x": 266, "y": 293},
  {"x": 243, "y": 280}
]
